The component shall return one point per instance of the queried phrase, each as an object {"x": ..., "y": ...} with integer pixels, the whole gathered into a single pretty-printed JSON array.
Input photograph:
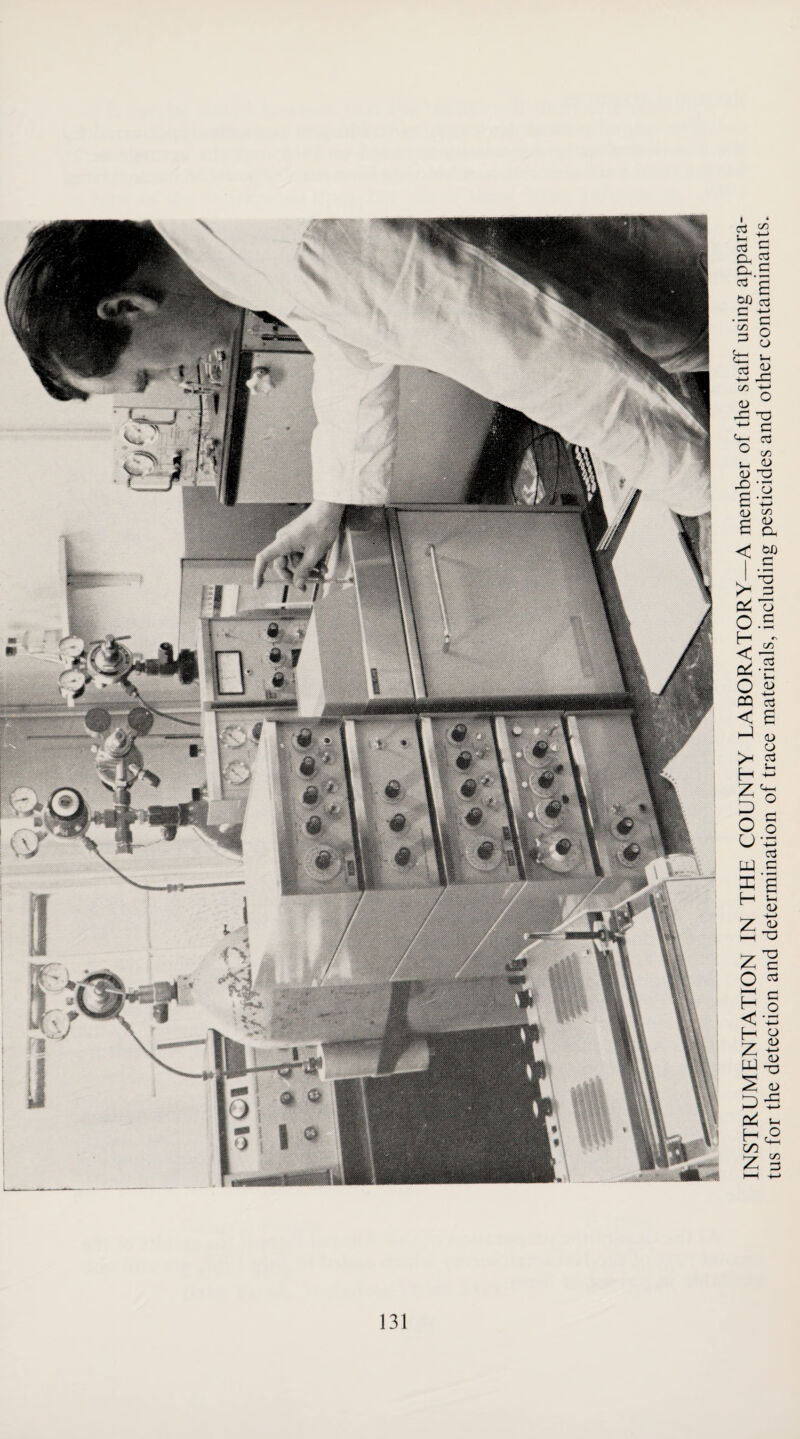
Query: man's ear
[{"x": 126, "y": 305}]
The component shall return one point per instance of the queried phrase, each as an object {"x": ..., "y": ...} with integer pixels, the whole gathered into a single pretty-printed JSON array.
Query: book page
[{"x": 434, "y": 1309}]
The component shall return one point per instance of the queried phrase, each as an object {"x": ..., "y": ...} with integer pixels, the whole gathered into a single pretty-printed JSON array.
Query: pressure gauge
[
  {"x": 72, "y": 683},
  {"x": 53, "y": 977},
  {"x": 23, "y": 799},
  {"x": 24, "y": 843},
  {"x": 233, "y": 736},
  {"x": 237, "y": 772},
  {"x": 55, "y": 1024},
  {"x": 142, "y": 463},
  {"x": 139, "y": 432},
  {"x": 71, "y": 647}
]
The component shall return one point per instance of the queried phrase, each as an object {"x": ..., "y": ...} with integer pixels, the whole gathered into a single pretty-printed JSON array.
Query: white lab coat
[{"x": 368, "y": 295}]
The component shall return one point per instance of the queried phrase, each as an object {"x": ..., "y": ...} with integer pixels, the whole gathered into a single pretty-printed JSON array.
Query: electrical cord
[
  {"x": 162, "y": 714},
  {"x": 205, "y": 1073},
  {"x": 170, "y": 1068},
  {"x": 160, "y": 888}
]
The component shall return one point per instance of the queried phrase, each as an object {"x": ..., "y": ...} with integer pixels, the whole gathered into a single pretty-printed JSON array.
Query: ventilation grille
[
  {"x": 569, "y": 992},
  {"x": 591, "y": 1115}
]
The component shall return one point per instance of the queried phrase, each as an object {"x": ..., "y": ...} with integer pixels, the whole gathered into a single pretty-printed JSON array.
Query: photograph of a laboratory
[{"x": 357, "y": 772}]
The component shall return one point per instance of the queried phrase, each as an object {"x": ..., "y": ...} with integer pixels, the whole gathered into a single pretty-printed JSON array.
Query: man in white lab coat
[{"x": 580, "y": 324}]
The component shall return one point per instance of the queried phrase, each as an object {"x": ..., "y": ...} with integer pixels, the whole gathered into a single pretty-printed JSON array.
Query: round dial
[
  {"x": 142, "y": 463},
  {"x": 237, "y": 772},
  {"x": 139, "y": 432},
  {"x": 24, "y": 843},
  {"x": 23, "y": 799},
  {"x": 233, "y": 736},
  {"x": 71, "y": 682},
  {"x": 53, "y": 977},
  {"x": 65, "y": 802},
  {"x": 55, "y": 1024},
  {"x": 71, "y": 647}
]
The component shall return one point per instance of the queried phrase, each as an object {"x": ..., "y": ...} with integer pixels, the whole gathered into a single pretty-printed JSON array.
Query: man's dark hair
[{"x": 52, "y": 296}]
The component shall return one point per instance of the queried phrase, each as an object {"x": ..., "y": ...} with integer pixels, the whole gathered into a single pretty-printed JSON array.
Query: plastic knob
[
  {"x": 277, "y": 680},
  {"x": 323, "y": 859},
  {"x": 307, "y": 764},
  {"x": 397, "y": 822},
  {"x": 563, "y": 846},
  {"x": 310, "y": 794},
  {"x": 287, "y": 1097},
  {"x": 540, "y": 748},
  {"x": 474, "y": 816},
  {"x": 624, "y": 825},
  {"x": 523, "y": 999},
  {"x": 519, "y": 963},
  {"x": 464, "y": 759},
  {"x": 315, "y": 1095},
  {"x": 631, "y": 852},
  {"x": 485, "y": 849},
  {"x": 392, "y": 789},
  {"x": 403, "y": 856},
  {"x": 546, "y": 779},
  {"x": 304, "y": 738},
  {"x": 314, "y": 824},
  {"x": 543, "y": 1107},
  {"x": 468, "y": 788},
  {"x": 273, "y": 629},
  {"x": 458, "y": 732},
  {"x": 311, "y": 1132},
  {"x": 275, "y": 654},
  {"x": 553, "y": 808}
]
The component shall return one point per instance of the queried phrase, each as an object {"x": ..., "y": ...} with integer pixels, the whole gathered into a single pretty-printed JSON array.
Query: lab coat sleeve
[{"x": 354, "y": 443}]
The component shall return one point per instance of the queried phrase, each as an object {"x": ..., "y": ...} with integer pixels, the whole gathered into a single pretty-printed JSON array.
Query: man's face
[{"x": 168, "y": 336}]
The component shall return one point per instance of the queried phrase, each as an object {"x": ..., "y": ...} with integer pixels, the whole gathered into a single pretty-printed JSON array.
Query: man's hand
[{"x": 301, "y": 544}]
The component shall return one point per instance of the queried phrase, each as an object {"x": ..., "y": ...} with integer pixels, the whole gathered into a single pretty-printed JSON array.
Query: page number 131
[{"x": 393, "y": 1321}]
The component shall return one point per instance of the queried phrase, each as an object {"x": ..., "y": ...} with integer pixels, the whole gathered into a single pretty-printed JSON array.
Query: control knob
[
  {"x": 314, "y": 824},
  {"x": 397, "y": 822},
  {"x": 468, "y": 788},
  {"x": 310, "y": 794},
  {"x": 624, "y": 826},
  {"x": 307, "y": 764},
  {"x": 275, "y": 654},
  {"x": 464, "y": 759},
  {"x": 273, "y": 629},
  {"x": 630, "y": 853},
  {"x": 304, "y": 738},
  {"x": 403, "y": 856},
  {"x": 485, "y": 849},
  {"x": 323, "y": 859},
  {"x": 458, "y": 733},
  {"x": 473, "y": 816},
  {"x": 277, "y": 679},
  {"x": 393, "y": 789}
]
